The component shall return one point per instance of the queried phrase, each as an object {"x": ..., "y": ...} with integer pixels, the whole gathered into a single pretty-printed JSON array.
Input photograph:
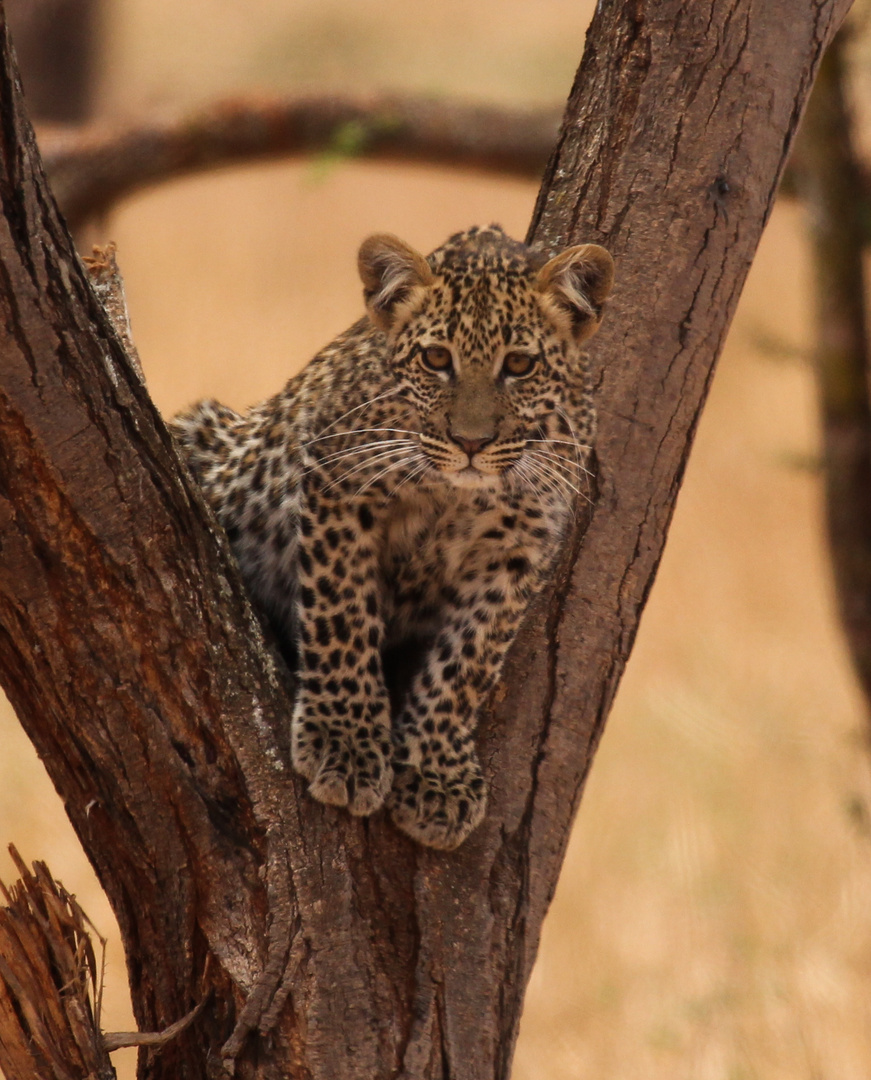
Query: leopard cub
[{"x": 412, "y": 483}]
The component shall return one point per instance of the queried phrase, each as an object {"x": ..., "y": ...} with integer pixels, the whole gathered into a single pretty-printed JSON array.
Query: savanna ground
[{"x": 713, "y": 918}]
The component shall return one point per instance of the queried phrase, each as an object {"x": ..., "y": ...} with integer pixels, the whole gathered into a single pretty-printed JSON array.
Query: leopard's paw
[
  {"x": 346, "y": 764},
  {"x": 438, "y": 808}
]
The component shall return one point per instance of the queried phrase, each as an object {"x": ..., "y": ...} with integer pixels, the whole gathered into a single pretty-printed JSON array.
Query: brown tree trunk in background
[
  {"x": 838, "y": 215},
  {"x": 57, "y": 42},
  {"x": 137, "y": 668}
]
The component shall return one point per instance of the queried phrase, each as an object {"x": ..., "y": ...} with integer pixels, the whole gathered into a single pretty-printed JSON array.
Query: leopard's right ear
[{"x": 389, "y": 269}]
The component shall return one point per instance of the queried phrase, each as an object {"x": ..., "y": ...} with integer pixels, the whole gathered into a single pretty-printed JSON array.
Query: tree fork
[{"x": 334, "y": 947}]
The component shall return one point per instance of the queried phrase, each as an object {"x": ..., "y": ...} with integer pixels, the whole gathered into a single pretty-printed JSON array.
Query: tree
[{"x": 328, "y": 946}]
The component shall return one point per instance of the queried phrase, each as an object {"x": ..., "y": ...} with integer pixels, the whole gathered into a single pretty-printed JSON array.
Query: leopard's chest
[{"x": 432, "y": 543}]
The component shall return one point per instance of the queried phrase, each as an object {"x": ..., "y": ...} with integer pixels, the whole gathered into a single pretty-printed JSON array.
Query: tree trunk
[
  {"x": 838, "y": 215},
  {"x": 57, "y": 42},
  {"x": 334, "y": 947}
]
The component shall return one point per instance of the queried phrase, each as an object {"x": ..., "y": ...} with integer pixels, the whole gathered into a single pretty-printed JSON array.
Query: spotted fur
[{"x": 413, "y": 482}]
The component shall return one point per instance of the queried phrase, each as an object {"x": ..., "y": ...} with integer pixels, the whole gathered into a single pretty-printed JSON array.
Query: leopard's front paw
[
  {"x": 347, "y": 762},
  {"x": 438, "y": 807}
]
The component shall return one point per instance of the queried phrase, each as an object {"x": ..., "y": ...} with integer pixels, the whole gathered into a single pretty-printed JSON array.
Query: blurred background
[{"x": 713, "y": 918}]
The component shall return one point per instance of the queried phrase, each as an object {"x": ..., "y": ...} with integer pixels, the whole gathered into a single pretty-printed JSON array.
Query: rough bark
[
  {"x": 838, "y": 216},
  {"x": 49, "y": 984},
  {"x": 138, "y": 670}
]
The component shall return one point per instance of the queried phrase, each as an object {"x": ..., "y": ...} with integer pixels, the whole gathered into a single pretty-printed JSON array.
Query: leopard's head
[{"x": 485, "y": 340}]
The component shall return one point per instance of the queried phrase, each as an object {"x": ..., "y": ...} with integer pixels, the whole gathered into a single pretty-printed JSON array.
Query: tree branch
[
  {"x": 137, "y": 668},
  {"x": 92, "y": 168}
]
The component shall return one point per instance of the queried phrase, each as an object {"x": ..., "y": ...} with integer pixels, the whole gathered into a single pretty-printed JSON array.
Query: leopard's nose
[{"x": 471, "y": 446}]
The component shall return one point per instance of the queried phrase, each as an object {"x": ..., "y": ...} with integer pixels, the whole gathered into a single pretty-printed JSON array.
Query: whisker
[
  {"x": 359, "y": 431},
  {"x": 561, "y": 460},
  {"x": 561, "y": 412},
  {"x": 393, "y": 465},
  {"x": 357, "y": 408},
  {"x": 558, "y": 467},
  {"x": 548, "y": 472},
  {"x": 421, "y": 467},
  {"x": 563, "y": 442},
  {"x": 363, "y": 465},
  {"x": 364, "y": 448},
  {"x": 519, "y": 468}
]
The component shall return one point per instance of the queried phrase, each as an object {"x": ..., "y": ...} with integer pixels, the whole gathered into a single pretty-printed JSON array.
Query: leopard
[{"x": 412, "y": 484}]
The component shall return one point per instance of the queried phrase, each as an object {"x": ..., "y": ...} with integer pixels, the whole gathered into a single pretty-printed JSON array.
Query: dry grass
[{"x": 712, "y": 921}]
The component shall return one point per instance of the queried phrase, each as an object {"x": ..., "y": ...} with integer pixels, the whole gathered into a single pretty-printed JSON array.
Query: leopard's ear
[
  {"x": 577, "y": 282},
  {"x": 389, "y": 269}
]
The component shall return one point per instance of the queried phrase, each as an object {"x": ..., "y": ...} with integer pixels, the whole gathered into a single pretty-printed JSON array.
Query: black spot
[
  {"x": 365, "y": 516},
  {"x": 340, "y": 628},
  {"x": 307, "y": 596},
  {"x": 322, "y": 631},
  {"x": 518, "y": 565},
  {"x": 494, "y": 534},
  {"x": 327, "y": 589},
  {"x": 332, "y": 538},
  {"x": 320, "y": 554},
  {"x": 449, "y": 594}
]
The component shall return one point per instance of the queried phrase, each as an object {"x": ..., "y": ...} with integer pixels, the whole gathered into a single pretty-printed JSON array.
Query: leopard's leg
[
  {"x": 341, "y": 740},
  {"x": 439, "y": 793}
]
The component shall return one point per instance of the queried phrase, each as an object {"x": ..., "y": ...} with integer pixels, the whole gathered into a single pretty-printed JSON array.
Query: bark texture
[
  {"x": 49, "y": 984},
  {"x": 334, "y": 948}
]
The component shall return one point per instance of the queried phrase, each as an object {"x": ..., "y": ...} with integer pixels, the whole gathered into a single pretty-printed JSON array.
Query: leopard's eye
[
  {"x": 437, "y": 358},
  {"x": 518, "y": 364}
]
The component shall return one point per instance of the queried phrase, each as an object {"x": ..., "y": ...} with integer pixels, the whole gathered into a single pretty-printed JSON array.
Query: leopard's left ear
[
  {"x": 389, "y": 269},
  {"x": 577, "y": 283}
]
